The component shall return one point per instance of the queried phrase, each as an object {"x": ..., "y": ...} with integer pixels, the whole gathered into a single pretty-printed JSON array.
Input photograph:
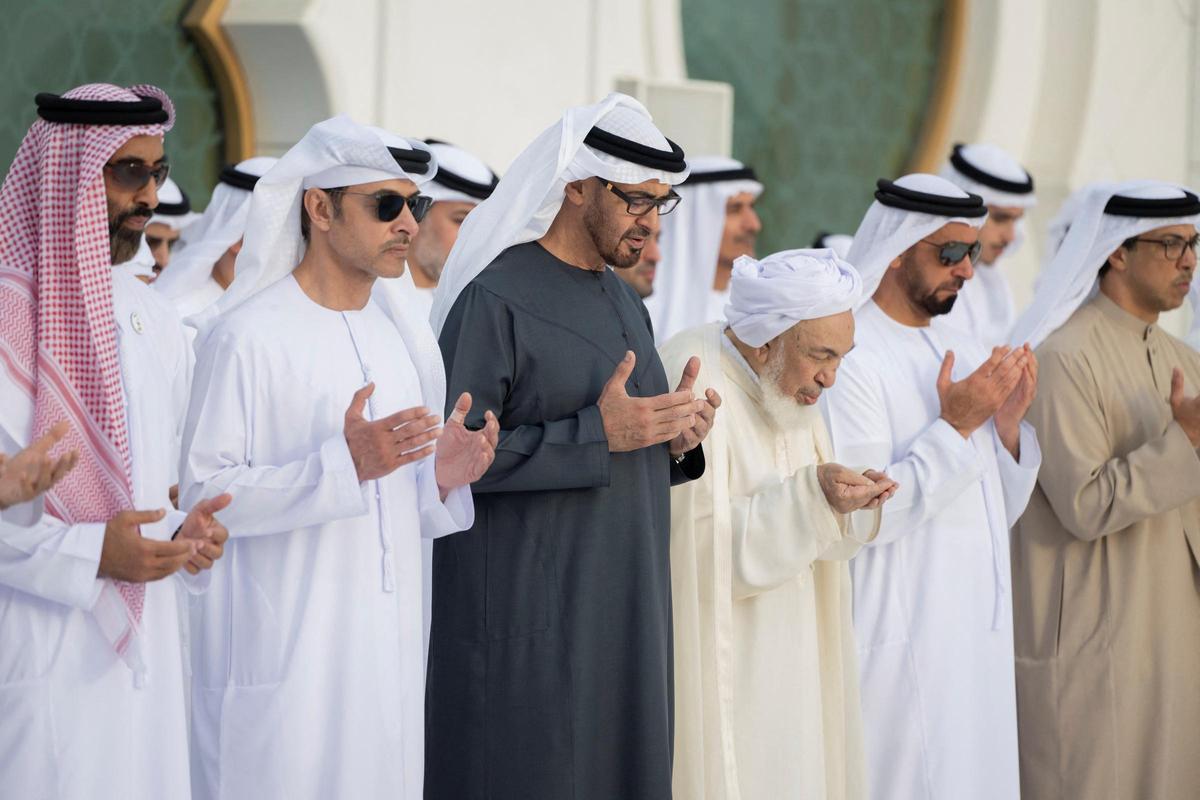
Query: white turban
[
  {"x": 174, "y": 209},
  {"x": 991, "y": 173},
  {"x": 461, "y": 177},
  {"x": 219, "y": 228},
  {"x": 837, "y": 242},
  {"x": 530, "y": 194},
  {"x": 691, "y": 242},
  {"x": 1071, "y": 277},
  {"x": 887, "y": 231},
  {"x": 770, "y": 296}
]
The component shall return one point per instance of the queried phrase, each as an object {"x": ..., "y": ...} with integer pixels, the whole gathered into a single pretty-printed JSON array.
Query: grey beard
[{"x": 123, "y": 244}]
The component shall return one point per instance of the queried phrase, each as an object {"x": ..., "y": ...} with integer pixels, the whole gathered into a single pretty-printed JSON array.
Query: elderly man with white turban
[
  {"x": 928, "y": 405},
  {"x": 985, "y": 304},
  {"x": 766, "y": 677},
  {"x": 550, "y": 653},
  {"x": 316, "y": 403},
  {"x": 1106, "y": 605}
]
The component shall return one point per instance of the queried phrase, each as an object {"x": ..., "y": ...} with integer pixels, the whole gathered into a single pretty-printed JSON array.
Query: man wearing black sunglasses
[
  {"x": 318, "y": 401},
  {"x": 932, "y": 607}
]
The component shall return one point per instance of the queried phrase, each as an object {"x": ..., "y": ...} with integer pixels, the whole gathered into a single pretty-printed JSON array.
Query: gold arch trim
[
  {"x": 203, "y": 22},
  {"x": 933, "y": 142}
]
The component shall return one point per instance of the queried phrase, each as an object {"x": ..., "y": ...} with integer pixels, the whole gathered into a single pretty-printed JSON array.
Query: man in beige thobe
[
  {"x": 1106, "y": 558},
  {"x": 766, "y": 679}
]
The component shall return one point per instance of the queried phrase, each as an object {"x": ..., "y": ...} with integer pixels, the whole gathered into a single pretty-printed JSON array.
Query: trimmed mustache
[
  {"x": 404, "y": 240},
  {"x": 130, "y": 213}
]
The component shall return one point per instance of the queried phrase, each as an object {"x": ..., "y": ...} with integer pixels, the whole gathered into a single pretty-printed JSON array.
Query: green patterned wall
[
  {"x": 53, "y": 45},
  {"x": 828, "y": 96}
]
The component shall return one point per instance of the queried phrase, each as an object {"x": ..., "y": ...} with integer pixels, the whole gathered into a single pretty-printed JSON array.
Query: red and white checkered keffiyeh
[{"x": 58, "y": 339}]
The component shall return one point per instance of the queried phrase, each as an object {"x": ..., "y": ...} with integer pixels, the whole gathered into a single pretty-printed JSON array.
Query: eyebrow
[{"x": 829, "y": 351}]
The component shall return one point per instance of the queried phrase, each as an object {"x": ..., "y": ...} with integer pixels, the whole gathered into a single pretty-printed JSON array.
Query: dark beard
[
  {"x": 936, "y": 308},
  {"x": 123, "y": 242},
  {"x": 593, "y": 220}
]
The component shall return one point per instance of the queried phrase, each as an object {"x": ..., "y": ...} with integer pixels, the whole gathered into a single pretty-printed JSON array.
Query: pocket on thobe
[{"x": 27, "y": 768}]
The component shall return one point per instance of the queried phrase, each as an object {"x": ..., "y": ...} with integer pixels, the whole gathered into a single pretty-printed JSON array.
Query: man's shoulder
[
  {"x": 511, "y": 268},
  {"x": 267, "y": 317},
  {"x": 1076, "y": 336}
]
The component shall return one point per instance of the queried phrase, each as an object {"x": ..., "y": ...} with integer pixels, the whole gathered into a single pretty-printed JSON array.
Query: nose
[
  {"x": 405, "y": 222},
  {"x": 964, "y": 269},
  {"x": 1188, "y": 259},
  {"x": 753, "y": 221},
  {"x": 651, "y": 253},
  {"x": 650, "y": 220},
  {"x": 148, "y": 194}
]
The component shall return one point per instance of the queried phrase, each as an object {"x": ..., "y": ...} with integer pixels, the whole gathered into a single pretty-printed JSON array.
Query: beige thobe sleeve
[{"x": 1093, "y": 493}]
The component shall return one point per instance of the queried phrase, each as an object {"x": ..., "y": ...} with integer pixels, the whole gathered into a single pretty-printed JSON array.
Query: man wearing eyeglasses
[
  {"x": 317, "y": 402},
  {"x": 932, "y": 598},
  {"x": 985, "y": 304},
  {"x": 1106, "y": 558},
  {"x": 550, "y": 662},
  {"x": 91, "y": 700}
]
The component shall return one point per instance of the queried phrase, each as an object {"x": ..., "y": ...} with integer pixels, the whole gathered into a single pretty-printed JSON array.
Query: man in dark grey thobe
[{"x": 550, "y": 667}]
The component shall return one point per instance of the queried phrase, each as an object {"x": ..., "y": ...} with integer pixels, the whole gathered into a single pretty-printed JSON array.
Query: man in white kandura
[
  {"x": 315, "y": 402},
  {"x": 932, "y": 597},
  {"x": 985, "y": 306},
  {"x": 202, "y": 268},
  {"x": 766, "y": 676},
  {"x": 716, "y": 223}
]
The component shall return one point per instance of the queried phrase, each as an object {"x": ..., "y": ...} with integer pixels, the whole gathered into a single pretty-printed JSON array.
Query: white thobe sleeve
[
  {"x": 217, "y": 457},
  {"x": 932, "y": 471},
  {"x": 439, "y": 518},
  {"x": 780, "y": 531},
  {"x": 1018, "y": 478},
  {"x": 51, "y": 559}
]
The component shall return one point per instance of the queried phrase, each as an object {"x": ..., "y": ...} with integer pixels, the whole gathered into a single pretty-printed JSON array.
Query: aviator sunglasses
[
  {"x": 132, "y": 175},
  {"x": 389, "y": 206},
  {"x": 950, "y": 253}
]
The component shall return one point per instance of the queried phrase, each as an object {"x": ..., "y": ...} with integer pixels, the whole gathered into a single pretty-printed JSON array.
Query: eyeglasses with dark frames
[
  {"x": 641, "y": 205},
  {"x": 1173, "y": 246}
]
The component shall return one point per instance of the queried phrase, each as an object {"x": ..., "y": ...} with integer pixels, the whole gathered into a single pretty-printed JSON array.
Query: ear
[
  {"x": 1117, "y": 259},
  {"x": 319, "y": 209},
  {"x": 895, "y": 262},
  {"x": 576, "y": 193},
  {"x": 761, "y": 354}
]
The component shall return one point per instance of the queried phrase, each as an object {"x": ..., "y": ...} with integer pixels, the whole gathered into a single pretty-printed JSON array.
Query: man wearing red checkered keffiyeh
[{"x": 91, "y": 700}]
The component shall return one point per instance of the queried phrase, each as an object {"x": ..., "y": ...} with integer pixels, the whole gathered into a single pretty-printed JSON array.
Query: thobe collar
[{"x": 1122, "y": 318}]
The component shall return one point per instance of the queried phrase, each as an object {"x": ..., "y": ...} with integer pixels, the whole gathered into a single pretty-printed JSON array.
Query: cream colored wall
[
  {"x": 488, "y": 75},
  {"x": 1079, "y": 90},
  {"x": 1083, "y": 90}
]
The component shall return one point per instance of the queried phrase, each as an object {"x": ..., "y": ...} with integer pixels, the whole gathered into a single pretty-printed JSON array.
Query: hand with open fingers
[
  {"x": 463, "y": 455},
  {"x": 845, "y": 490},
  {"x": 1185, "y": 410},
  {"x": 706, "y": 411},
  {"x": 33, "y": 470},
  {"x": 632, "y": 423},
  {"x": 126, "y": 556},
  {"x": 969, "y": 403},
  {"x": 201, "y": 525},
  {"x": 1016, "y": 405},
  {"x": 884, "y": 486},
  {"x": 380, "y": 447}
]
